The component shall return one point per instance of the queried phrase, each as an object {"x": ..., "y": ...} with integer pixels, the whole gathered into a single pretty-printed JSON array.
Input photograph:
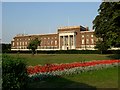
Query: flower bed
[{"x": 51, "y": 70}]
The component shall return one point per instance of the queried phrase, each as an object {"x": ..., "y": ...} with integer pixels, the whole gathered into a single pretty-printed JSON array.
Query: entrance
[{"x": 67, "y": 48}]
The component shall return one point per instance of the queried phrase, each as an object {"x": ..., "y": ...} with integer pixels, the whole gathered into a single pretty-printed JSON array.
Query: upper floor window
[
  {"x": 91, "y": 35},
  {"x": 82, "y": 36},
  {"x": 87, "y": 35},
  {"x": 55, "y": 37}
]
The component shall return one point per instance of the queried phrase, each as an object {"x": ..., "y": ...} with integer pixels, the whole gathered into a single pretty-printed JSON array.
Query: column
[
  {"x": 74, "y": 41},
  {"x": 69, "y": 41},
  {"x": 59, "y": 42},
  {"x": 64, "y": 42}
]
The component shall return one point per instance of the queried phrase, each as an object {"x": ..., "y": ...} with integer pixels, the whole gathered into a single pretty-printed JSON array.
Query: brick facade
[{"x": 74, "y": 37}]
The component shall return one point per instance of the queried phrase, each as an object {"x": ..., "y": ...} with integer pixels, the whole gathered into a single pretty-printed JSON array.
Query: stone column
[
  {"x": 69, "y": 41},
  {"x": 73, "y": 41},
  {"x": 59, "y": 42},
  {"x": 64, "y": 42}
]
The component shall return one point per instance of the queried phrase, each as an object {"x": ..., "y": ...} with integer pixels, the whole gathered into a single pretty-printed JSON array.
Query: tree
[
  {"x": 33, "y": 45},
  {"x": 106, "y": 25},
  {"x": 5, "y": 47},
  {"x": 101, "y": 46}
]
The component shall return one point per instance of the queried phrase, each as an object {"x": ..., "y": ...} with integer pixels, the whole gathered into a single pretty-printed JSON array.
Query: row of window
[
  {"x": 87, "y": 41},
  {"x": 39, "y": 47},
  {"x": 39, "y": 38},
  {"x": 49, "y": 38},
  {"x": 42, "y": 43},
  {"x": 47, "y": 47},
  {"x": 49, "y": 42},
  {"x": 21, "y": 43},
  {"x": 86, "y": 35}
]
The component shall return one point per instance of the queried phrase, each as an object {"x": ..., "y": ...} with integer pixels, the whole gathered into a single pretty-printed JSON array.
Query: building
[{"x": 67, "y": 38}]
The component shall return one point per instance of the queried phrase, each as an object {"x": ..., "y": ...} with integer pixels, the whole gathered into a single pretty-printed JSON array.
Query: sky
[{"x": 44, "y": 17}]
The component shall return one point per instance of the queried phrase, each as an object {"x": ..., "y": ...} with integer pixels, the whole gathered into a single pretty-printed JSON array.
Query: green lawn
[
  {"x": 106, "y": 78},
  {"x": 63, "y": 58}
]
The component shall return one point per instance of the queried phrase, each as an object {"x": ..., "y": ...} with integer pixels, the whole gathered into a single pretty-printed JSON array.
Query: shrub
[{"x": 14, "y": 73}]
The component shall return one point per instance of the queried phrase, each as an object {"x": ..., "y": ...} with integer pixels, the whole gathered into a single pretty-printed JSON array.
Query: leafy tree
[
  {"x": 106, "y": 25},
  {"x": 33, "y": 45},
  {"x": 5, "y": 47},
  {"x": 102, "y": 46}
]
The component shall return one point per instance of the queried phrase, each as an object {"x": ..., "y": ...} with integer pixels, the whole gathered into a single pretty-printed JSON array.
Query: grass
[
  {"x": 63, "y": 58},
  {"x": 106, "y": 78}
]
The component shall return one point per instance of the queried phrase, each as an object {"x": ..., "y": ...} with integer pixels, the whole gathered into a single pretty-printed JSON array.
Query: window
[
  {"x": 51, "y": 42},
  {"x": 91, "y": 35},
  {"x": 83, "y": 41},
  {"x": 48, "y": 42},
  {"x": 55, "y": 42},
  {"x": 13, "y": 43},
  {"x": 87, "y": 41},
  {"x": 82, "y": 36},
  {"x": 20, "y": 43},
  {"x": 92, "y": 41},
  {"x": 23, "y": 43},
  {"x": 26, "y": 43},
  {"x": 17, "y": 43}
]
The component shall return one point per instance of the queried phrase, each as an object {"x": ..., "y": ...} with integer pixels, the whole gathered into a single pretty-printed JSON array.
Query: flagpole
[{"x": 68, "y": 20}]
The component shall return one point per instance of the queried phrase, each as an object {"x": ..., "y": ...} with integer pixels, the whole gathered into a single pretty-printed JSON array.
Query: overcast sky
[{"x": 44, "y": 17}]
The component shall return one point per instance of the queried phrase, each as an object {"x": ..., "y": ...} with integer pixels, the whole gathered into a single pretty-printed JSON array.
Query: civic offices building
[{"x": 66, "y": 38}]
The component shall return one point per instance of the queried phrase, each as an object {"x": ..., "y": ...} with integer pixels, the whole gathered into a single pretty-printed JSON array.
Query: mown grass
[
  {"x": 63, "y": 58},
  {"x": 106, "y": 78}
]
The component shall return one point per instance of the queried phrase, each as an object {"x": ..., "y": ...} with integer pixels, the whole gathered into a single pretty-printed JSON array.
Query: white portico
[{"x": 67, "y": 40}]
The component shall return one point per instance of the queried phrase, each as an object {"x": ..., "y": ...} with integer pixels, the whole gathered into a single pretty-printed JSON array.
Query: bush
[
  {"x": 14, "y": 73},
  {"x": 70, "y": 52}
]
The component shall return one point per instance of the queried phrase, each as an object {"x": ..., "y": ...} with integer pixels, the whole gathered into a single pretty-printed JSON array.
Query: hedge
[
  {"x": 71, "y": 52},
  {"x": 14, "y": 73}
]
